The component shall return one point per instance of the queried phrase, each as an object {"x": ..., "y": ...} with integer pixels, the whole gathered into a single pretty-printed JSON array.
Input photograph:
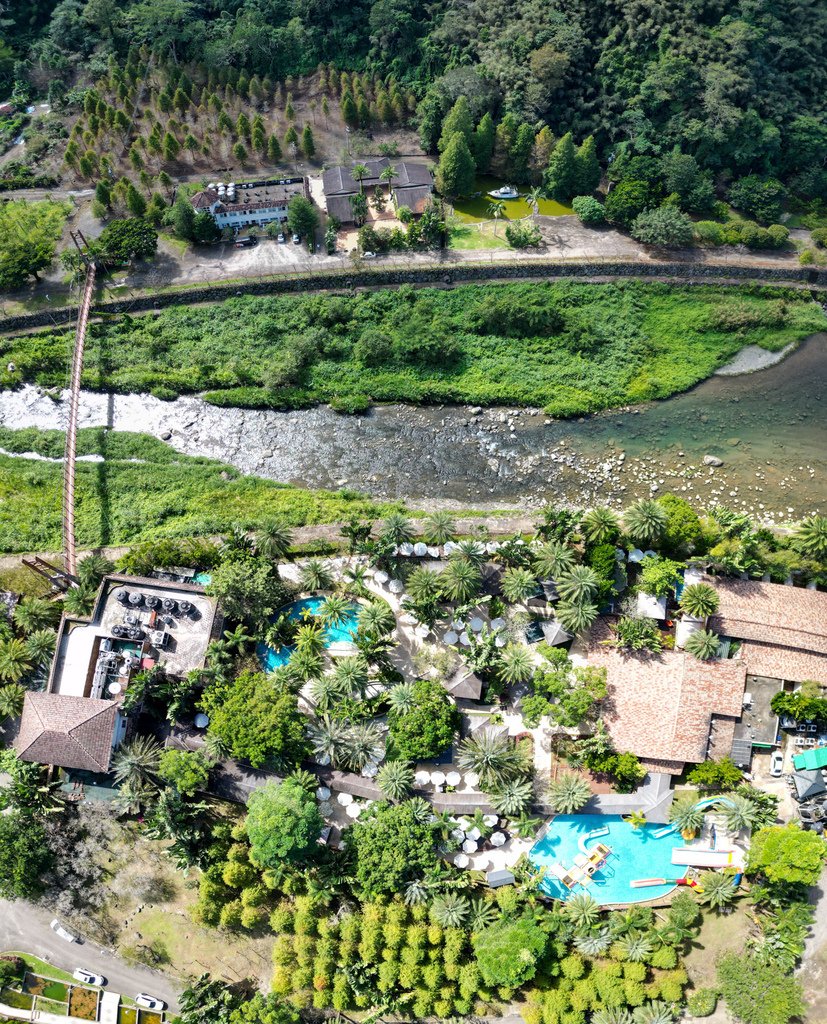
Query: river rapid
[{"x": 768, "y": 429}]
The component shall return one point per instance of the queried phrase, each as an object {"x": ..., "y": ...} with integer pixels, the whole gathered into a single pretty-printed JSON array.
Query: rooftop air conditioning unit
[{"x": 158, "y": 637}]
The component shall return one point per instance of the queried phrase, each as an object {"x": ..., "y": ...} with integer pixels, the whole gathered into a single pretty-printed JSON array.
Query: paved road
[{"x": 25, "y": 928}]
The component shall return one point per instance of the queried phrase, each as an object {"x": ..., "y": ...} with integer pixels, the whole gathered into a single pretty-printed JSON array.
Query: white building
[{"x": 252, "y": 202}]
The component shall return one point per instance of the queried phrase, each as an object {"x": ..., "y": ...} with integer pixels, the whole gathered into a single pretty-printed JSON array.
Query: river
[{"x": 768, "y": 428}]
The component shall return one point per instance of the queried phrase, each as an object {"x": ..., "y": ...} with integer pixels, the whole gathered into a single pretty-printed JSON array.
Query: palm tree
[
  {"x": 78, "y": 601},
  {"x": 569, "y": 793},
  {"x": 237, "y": 542},
  {"x": 305, "y": 664},
  {"x": 600, "y": 526},
  {"x": 328, "y": 738},
  {"x": 310, "y": 639},
  {"x": 362, "y": 744},
  {"x": 359, "y": 172},
  {"x": 461, "y": 580},
  {"x": 483, "y": 913},
  {"x": 376, "y": 619},
  {"x": 699, "y": 600},
  {"x": 325, "y": 692},
  {"x": 133, "y": 796},
  {"x": 634, "y": 947},
  {"x": 578, "y": 585},
  {"x": 395, "y": 779},
  {"x": 645, "y": 521},
  {"x": 512, "y": 797},
  {"x": 216, "y": 747},
  {"x": 702, "y": 644},
  {"x": 582, "y": 910},
  {"x": 687, "y": 817},
  {"x": 424, "y": 585},
  {"x": 351, "y": 675},
  {"x": 402, "y": 699},
  {"x": 417, "y": 891},
  {"x": 315, "y": 575},
  {"x": 14, "y": 660},
  {"x": 334, "y": 610},
  {"x": 524, "y": 825},
  {"x": 609, "y": 1014},
  {"x": 575, "y": 618},
  {"x": 492, "y": 756},
  {"x": 273, "y": 539},
  {"x": 637, "y": 819},
  {"x": 92, "y": 569},
  {"x": 439, "y": 528},
  {"x": 656, "y": 1012},
  {"x": 534, "y": 197},
  {"x": 12, "y": 696},
  {"x": 40, "y": 646},
  {"x": 35, "y": 613},
  {"x": 496, "y": 209},
  {"x": 593, "y": 943},
  {"x": 450, "y": 910},
  {"x": 718, "y": 889},
  {"x": 811, "y": 537},
  {"x": 553, "y": 559},
  {"x": 307, "y": 780},
  {"x": 740, "y": 812},
  {"x": 137, "y": 761},
  {"x": 518, "y": 585},
  {"x": 516, "y": 664},
  {"x": 397, "y": 529},
  {"x": 472, "y": 551}
]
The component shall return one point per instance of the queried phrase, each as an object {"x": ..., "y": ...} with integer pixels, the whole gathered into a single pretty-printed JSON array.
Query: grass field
[
  {"x": 568, "y": 347},
  {"x": 476, "y": 236}
]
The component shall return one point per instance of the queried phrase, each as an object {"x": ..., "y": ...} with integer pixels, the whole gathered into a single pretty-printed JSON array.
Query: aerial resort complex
[{"x": 413, "y": 518}]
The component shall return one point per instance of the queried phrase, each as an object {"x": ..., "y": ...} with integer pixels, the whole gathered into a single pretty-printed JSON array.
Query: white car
[
  {"x": 88, "y": 978},
  {"x": 150, "y": 1002},
  {"x": 368, "y": 255},
  {"x": 58, "y": 929},
  {"x": 776, "y": 764}
]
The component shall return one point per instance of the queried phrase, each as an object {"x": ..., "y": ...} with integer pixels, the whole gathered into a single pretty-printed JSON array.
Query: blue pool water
[
  {"x": 636, "y": 853},
  {"x": 342, "y": 633}
]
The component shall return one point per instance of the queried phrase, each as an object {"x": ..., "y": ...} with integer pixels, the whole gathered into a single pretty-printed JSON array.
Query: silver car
[{"x": 150, "y": 1002}]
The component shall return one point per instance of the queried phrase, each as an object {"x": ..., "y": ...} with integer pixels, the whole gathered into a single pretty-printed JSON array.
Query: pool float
[{"x": 643, "y": 883}]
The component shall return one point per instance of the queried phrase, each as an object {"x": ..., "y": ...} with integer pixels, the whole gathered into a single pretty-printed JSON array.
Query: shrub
[
  {"x": 703, "y": 1002},
  {"x": 761, "y": 198},
  {"x": 523, "y": 236},
  {"x": 429, "y": 727},
  {"x": 507, "y": 952},
  {"x": 665, "y": 226},
  {"x": 589, "y": 210}
]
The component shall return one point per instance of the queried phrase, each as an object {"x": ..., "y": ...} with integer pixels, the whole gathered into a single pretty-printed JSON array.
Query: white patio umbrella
[
  {"x": 472, "y": 779},
  {"x": 422, "y": 630},
  {"x": 396, "y": 586},
  {"x": 322, "y": 793},
  {"x": 422, "y": 778},
  {"x": 635, "y": 555},
  {"x": 420, "y": 549},
  {"x": 474, "y": 834},
  {"x": 407, "y": 619},
  {"x": 477, "y": 624},
  {"x": 323, "y": 759},
  {"x": 465, "y": 640},
  {"x": 469, "y": 846},
  {"x": 649, "y": 553},
  {"x": 499, "y": 640},
  {"x": 201, "y": 720},
  {"x": 458, "y": 625},
  {"x": 458, "y": 834},
  {"x": 325, "y": 808},
  {"x": 345, "y": 799},
  {"x": 498, "y": 839},
  {"x": 461, "y": 860},
  {"x": 406, "y": 549},
  {"x": 438, "y": 778},
  {"x": 620, "y": 554},
  {"x": 453, "y": 778},
  {"x": 381, "y": 577},
  {"x": 490, "y": 819},
  {"x": 353, "y": 810},
  {"x": 498, "y": 623},
  {"x": 450, "y": 637},
  {"x": 464, "y": 824}
]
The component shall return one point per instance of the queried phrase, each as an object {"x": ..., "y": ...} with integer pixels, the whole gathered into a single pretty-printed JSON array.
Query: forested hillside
[{"x": 739, "y": 85}]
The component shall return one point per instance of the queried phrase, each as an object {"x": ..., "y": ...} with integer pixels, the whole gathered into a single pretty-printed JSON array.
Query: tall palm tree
[
  {"x": 492, "y": 756},
  {"x": 137, "y": 761},
  {"x": 40, "y": 646},
  {"x": 718, "y": 889},
  {"x": 656, "y": 1012},
  {"x": 12, "y": 696},
  {"x": 310, "y": 638},
  {"x": 397, "y": 529},
  {"x": 305, "y": 664},
  {"x": 593, "y": 943},
  {"x": 609, "y": 1014},
  {"x": 328, "y": 738},
  {"x": 575, "y": 618},
  {"x": 461, "y": 580},
  {"x": 553, "y": 559},
  {"x": 395, "y": 779},
  {"x": 811, "y": 537},
  {"x": 363, "y": 744},
  {"x": 78, "y": 601},
  {"x": 273, "y": 539},
  {"x": 92, "y": 569},
  {"x": 518, "y": 585},
  {"x": 496, "y": 209},
  {"x": 524, "y": 825},
  {"x": 516, "y": 664},
  {"x": 637, "y": 819},
  {"x": 699, "y": 600},
  {"x": 359, "y": 173},
  {"x": 402, "y": 699},
  {"x": 569, "y": 793},
  {"x": 740, "y": 812},
  {"x": 600, "y": 525},
  {"x": 482, "y": 914},
  {"x": 450, "y": 910},
  {"x": 334, "y": 610},
  {"x": 315, "y": 575},
  {"x": 512, "y": 797},
  {"x": 578, "y": 585},
  {"x": 472, "y": 551},
  {"x": 645, "y": 521},
  {"x": 351, "y": 675},
  {"x": 325, "y": 692},
  {"x": 133, "y": 796},
  {"x": 14, "y": 660},
  {"x": 424, "y": 585},
  {"x": 634, "y": 947},
  {"x": 439, "y": 528},
  {"x": 35, "y": 613},
  {"x": 702, "y": 644},
  {"x": 534, "y": 197},
  {"x": 686, "y": 816},
  {"x": 582, "y": 910},
  {"x": 376, "y": 618}
]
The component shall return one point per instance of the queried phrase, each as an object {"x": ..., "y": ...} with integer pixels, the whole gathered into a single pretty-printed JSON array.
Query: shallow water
[
  {"x": 769, "y": 428},
  {"x": 476, "y": 208}
]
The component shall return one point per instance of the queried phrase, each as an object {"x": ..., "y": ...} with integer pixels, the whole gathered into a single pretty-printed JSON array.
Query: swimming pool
[
  {"x": 344, "y": 632},
  {"x": 645, "y": 852}
]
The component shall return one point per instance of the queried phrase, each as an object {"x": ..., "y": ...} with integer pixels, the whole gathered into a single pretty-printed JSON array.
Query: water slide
[
  {"x": 584, "y": 841},
  {"x": 703, "y": 857}
]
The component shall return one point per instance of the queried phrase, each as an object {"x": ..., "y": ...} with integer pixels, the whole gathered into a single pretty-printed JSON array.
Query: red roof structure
[{"x": 70, "y": 732}]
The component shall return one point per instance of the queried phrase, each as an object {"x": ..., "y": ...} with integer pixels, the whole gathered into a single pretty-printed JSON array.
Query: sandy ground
[{"x": 752, "y": 358}]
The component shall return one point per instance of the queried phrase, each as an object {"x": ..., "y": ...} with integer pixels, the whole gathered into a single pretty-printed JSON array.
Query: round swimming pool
[{"x": 271, "y": 658}]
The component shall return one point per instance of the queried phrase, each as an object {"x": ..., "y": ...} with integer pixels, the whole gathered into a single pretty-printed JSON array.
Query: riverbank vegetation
[
  {"x": 141, "y": 488},
  {"x": 568, "y": 347}
]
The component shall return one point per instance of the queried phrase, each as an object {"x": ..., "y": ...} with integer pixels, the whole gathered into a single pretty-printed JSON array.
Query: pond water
[
  {"x": 769, "y": 429},
  {"x": 475, "y": 208},
  {"x": 343, "y": 632}
]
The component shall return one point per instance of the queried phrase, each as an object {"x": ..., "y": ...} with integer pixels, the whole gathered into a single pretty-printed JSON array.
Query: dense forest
[{"x": 739, "y": 85}]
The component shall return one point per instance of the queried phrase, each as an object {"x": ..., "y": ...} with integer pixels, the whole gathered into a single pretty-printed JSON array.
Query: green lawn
[
  {"x": 41, "y": 967},
  {"x": 476, "y": 236}
]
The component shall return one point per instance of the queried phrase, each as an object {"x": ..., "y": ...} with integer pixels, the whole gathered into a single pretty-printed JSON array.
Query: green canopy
[{"x": 815, "y": 757}]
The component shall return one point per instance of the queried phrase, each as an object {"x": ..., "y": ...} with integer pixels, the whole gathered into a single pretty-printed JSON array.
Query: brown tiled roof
[
  {"x": 783, "y": 662},
  {"x": 415, "y": 197},
  {"x": 771, "y": 614},
  {"x": 661, "y": 706},
  {"x": 71, "y": 732},
  {"x": 203, "y": 200}
]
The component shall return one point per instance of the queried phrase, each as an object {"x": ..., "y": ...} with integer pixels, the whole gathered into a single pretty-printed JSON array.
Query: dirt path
[{"x": 813, "y": 970}]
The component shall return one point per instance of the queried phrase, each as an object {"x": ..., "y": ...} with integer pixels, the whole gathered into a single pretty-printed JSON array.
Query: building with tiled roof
[
  {"x": 71, "y": 732},
  {"x": 411, "y": 186},
  {"x": 251, "y": 202}
]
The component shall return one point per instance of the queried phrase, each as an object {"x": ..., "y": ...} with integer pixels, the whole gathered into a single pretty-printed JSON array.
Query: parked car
[
  {"x": 368, "y": 255},
  {"x": 88, "y": 978},
  {"x": 58, "y": 929},
  {"x": 150, "y": 1002},
  {"x": 776, "y": 764},
  {"x": 297, "y": 239},
  {"x": 282, "y": 236},
  {"x": 245, "y": 243}
]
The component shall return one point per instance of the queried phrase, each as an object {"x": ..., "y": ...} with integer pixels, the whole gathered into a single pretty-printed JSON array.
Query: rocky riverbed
[{"x": 755, "y": 442}]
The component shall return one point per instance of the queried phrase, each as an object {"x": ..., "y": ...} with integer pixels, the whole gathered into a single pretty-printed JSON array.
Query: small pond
[
  {"x": 343, "y": 632},
  {"x": 475, "y": 208}
]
